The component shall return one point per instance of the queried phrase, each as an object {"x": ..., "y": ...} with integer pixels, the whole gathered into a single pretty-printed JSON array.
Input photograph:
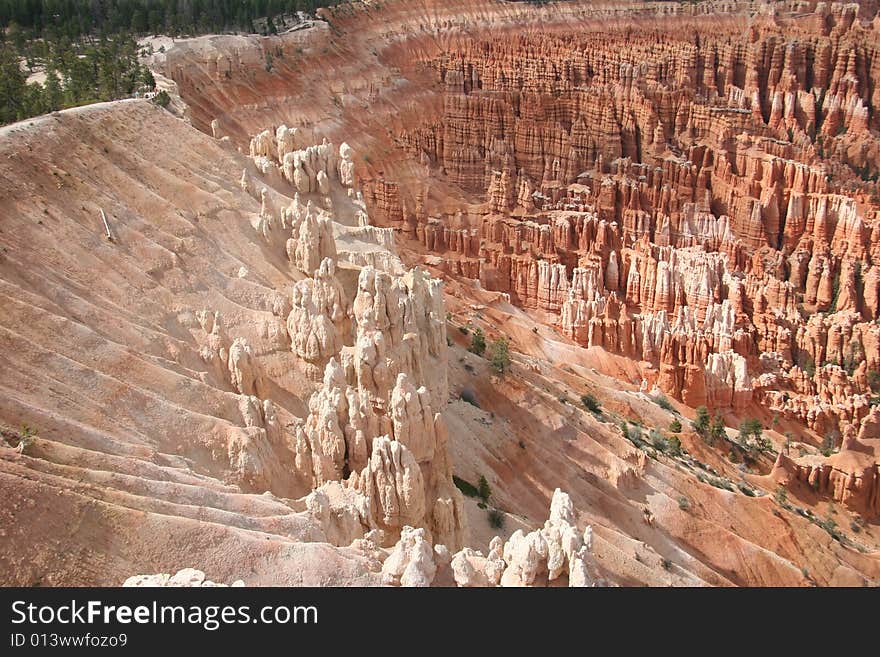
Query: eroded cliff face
[
  {"x": 696, "y": 199},
  {"x": 686, "y": 186}
]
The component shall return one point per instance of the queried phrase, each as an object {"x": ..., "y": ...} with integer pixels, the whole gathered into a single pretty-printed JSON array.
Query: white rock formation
[
  {"x": 188, "y": 577},
  {"x": 411, "y": 562},
  {"x": 374, "y": 444},
  {"x": 311, "y": 236},
  {"x": 242, "y": 367},
  {"x": 346, "y": 166},
  {"x": 287, "y": 140},
  {"x": 534, "y": 559},
  {"x": 319, "y": 318},
  {"x": 302, "y": 168},
  {"x": 263, "y": 145}
]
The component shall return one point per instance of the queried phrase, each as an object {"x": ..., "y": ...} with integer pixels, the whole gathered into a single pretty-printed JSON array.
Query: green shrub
[
  {"x": 663, "y": 403},
  {"x": 591, "y": 404},
  {"x": 632, "y": 434},
  {"x": 635, "y": 435},
  {"x": 835, "y": 292},
  {"x": 162, "y": 99},
  {"x": 657, "y": 440},
  {"x": 675, "y": 426},
  {"x": 468, "y": 395},
  {"x": 496, "y": 519},
  {"x": 683, "y": 503}
]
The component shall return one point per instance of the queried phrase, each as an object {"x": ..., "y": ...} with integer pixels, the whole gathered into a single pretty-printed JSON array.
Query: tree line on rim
[{"x": 85, "y": 51}]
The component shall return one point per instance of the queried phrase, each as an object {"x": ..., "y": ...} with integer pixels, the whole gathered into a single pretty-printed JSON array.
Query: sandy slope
[{"x": 98, "y": 355}]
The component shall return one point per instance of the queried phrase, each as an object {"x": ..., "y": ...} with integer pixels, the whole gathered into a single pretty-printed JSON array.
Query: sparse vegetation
[
  {"x": 781, "y": 496},
  {"x": 632, "y": 434},
  {"x": 657, "y": 440},
  {"x": 830, "y": 526},
  {"x": 683, "y": 503},
  {"x": 809, "y": 367},
  {"x": 675, "y": 426},
  {"x": 25, "y": 438},
  {"x": 750, "y": 427},
  {"x": 853, "y": 356},
  {"x": 717, "y": 429},
  {"x": 478, "y": 342},
  {"x": 718, "y": 482},
  {"x": 828, "y": 443},
  {"x": 835, "y": 292},
  {"x": 873, "y": 377}
]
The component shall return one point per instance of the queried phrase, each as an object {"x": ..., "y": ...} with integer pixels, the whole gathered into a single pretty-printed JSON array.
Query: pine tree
[
  {"x": 53, "y": 93},
  {"x": 500, "y": 355},
  {"x": 701, "y": 421},
  {"x": 12, "y": 86}
]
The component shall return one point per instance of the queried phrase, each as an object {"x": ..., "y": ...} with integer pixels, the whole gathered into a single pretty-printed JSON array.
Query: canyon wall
[{"x": 701, "y": 200}]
